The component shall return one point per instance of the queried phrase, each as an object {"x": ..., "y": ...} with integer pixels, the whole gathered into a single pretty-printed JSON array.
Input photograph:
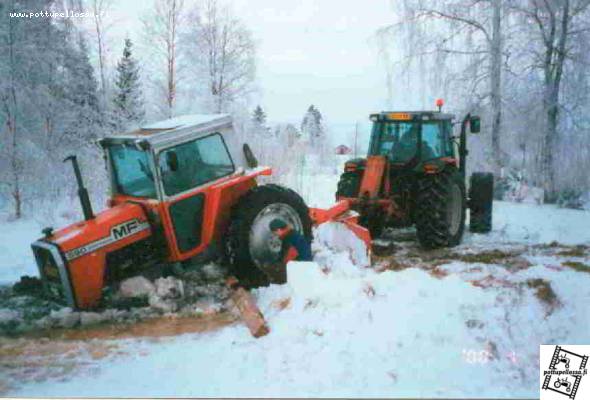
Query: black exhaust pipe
[{"x": 82, "y": 192}]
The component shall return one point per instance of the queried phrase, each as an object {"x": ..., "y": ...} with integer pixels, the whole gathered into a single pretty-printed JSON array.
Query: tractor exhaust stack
[{"x": 82, "y": 192}]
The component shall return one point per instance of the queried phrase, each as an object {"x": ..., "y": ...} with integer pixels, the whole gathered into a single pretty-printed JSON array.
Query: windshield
[
  {"x": 399, "y": 140},
  {"x": 131, "y": 172},
  {"x": 396, "y": 140}
]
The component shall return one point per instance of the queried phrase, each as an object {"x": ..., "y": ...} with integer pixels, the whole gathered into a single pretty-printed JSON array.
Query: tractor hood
[{"x": 108, "y": 227}]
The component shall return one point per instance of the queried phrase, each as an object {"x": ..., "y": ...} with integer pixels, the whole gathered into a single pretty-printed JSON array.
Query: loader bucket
[{"x": 342, "y": 214}]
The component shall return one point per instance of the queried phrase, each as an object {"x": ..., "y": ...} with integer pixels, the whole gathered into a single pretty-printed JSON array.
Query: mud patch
[
  {"x": 62, "y": 353},
  {"x": 25, "y": 361},
  {"x": 544, "y": 292}
]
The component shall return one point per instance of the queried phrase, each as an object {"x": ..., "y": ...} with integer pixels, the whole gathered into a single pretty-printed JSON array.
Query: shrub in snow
[{"x": 572, "y": 198}]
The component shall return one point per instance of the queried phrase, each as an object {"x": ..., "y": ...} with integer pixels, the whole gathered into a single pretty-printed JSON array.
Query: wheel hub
[{"x": 265, "y": 246}]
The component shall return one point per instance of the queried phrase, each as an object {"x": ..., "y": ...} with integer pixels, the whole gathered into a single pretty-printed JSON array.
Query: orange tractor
[
  {"x": 181, "y": 188},
  {"x": 414, "y": 174}
]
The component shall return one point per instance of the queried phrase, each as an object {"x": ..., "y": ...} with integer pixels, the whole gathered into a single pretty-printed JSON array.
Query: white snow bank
[
  {"x": 337, "y": 237},
  {"x": 514, "y": 222},
  {"x": 16, "y": 256}
]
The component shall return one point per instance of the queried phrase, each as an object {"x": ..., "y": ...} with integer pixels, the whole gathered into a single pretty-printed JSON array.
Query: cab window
[
  {"x": 131, "y": 172},
  {"x": 188, "y": 165},
  {"x": 432, "y": 140}
]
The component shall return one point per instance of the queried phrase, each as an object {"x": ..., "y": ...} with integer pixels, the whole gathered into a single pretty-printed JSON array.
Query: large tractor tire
[
  {"x": 373, "y": 220},
  {"x": 250, "y": 246},
  {"x": 349, "y": 185},
  {"x": 481, "y": 196},
  {"x": 440, "y": 210}
]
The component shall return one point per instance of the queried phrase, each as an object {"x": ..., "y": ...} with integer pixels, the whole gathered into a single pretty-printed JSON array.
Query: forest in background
[
  {"x": 58, "y": 94},
  {"x": 520, "y": 64}
]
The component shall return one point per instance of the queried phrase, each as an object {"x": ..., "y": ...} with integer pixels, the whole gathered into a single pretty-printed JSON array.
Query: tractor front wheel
[
  {"x": 250, "y": 247},
  {"x": 440, "y": 210},
  {"x": 349, "y": 185}
]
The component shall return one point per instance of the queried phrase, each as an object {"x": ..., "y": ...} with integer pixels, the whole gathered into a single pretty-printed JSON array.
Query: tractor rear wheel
[
  {"x": 250, "y": 246},
  {"x": 349, "y": 185},
  {"x": 440, "y": 209},
  {"x": 481, "y": 196}
]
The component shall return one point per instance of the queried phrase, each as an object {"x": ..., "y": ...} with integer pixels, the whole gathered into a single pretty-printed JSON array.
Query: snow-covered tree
[
  {"x": 222, "y": 53},
  {"x": 162, "y": 31},
  {"x": 464, "y": 35},
  {"x": 49, "y": 104},
  {"x": 128, "y": 106},
  {"x": 259, "y": 116},
  {"x": 312, "y": 127}
]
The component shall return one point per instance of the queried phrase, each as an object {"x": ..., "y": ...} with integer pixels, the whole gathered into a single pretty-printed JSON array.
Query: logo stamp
[{"x": 563, "y": 372}]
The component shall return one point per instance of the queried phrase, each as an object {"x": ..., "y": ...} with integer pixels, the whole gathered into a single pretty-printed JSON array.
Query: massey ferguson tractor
[
  {"x": 414, "y": 174},
  {"x": 180, "y": 188}
]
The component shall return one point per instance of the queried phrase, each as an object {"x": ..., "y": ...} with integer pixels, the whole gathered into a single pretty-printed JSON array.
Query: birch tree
[
  {"x": 100, "y": 9},
  {"x": 557, "y": 24},
  {"x": 469, "y": 30},
  {"x": 222, "y": 51},
  {"x": 10, "y": 105},
  {"x": 162, "y": 28}
]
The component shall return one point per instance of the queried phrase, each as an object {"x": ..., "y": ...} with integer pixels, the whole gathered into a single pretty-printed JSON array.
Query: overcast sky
[{"x": 309, "y": 51}]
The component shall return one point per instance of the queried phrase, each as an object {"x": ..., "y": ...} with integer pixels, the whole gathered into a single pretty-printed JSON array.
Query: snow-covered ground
[{"x": 441, "y": 325}]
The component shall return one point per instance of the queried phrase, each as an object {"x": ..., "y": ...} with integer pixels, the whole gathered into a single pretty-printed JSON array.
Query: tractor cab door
[
  {"x": 186, "y": 171},
  {"x": 436, "y": 141}
]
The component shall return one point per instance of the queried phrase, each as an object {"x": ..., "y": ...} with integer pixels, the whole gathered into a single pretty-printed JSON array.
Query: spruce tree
[
  {"x": 259, "y": 116},
  {"x": 311, "y": 126},
  {"x": 128, "y": 106}
]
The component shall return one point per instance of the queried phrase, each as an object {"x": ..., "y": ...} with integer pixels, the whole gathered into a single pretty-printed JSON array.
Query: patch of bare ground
[
  {"x": 393, "y": 264},
  {"x": 578, "y": 266},
  {"x": 544, "y": 292},
  {"x": 492, "y": 281},
  {"x": 563, "y": 250},
  {"x": 574, "y": 251}
]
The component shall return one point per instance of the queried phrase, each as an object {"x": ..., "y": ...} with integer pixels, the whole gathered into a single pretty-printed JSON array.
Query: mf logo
[{"x": 126, "y": 229}]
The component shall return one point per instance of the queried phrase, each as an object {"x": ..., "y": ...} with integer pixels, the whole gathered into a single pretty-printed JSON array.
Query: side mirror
[
  {"x": 474, "y": 124},
  {"x": 172, "y": 160}
]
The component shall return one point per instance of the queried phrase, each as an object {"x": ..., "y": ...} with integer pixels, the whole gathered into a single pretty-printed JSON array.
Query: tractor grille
[{"x": 49, "y": 270}]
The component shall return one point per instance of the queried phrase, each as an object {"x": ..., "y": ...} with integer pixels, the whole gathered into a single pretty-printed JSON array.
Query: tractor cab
[
  {"x": 414, "y": 139},
  {"x": 409, "y": 138}
]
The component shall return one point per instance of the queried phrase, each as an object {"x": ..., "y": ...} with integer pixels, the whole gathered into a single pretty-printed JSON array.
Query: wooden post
[{"x": 250, "y": 313}]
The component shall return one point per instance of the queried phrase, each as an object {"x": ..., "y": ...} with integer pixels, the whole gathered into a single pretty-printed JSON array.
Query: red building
[{"x": 342, "y": 149}]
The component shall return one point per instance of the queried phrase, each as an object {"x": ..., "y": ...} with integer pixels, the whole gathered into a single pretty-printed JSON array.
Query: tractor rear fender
[{"x": 219, "y": 198}]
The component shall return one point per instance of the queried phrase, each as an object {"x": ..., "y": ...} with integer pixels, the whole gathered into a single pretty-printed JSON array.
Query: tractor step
[{"x": 249, "y": 311}]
